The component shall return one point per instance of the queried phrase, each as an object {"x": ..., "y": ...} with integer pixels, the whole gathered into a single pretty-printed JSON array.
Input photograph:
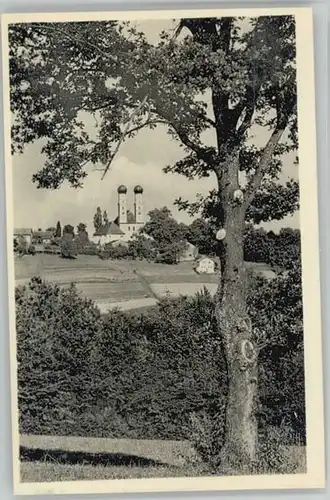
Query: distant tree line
[{"x": 163, "y": 239}]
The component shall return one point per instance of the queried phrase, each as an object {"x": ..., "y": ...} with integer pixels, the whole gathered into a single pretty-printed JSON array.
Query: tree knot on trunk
[
  {"x": 238, "y": 196},
  {"x": 248, "y": 352}
]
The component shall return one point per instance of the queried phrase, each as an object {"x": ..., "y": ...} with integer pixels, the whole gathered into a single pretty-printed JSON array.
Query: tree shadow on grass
[{"x": 85, "y": 458}]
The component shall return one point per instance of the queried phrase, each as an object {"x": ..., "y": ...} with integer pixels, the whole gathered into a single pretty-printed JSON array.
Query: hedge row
[{"x": 143, "y": 375}]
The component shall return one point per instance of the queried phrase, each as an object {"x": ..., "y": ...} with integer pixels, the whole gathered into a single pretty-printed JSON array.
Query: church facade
[{"x": 127, "y": 223}]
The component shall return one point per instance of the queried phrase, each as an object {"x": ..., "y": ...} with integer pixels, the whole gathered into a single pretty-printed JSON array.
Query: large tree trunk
[{"x": 235, "y": 329}]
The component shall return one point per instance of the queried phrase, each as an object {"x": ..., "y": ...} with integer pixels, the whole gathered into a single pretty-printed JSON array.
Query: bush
[
  {"x": 68, "y": 249},
  {"x": 89, "y": 249},
  {"x": 21, "y": 246},
  {"x": 160, "y": 374},
  {"x": 32, "y": 250},
  {"x": 281, "y": 250},
  {"x": 111, "y": 252},
  {"x": 146, "y": 377},
  {"x": 276, "y": 457},
  {"x": 140, "y": 247},
  {"x": 170, "y": 254},
  {"x": 55, "y": 331}
]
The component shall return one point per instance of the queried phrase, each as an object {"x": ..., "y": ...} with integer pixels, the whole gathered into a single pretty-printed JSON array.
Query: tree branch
[
  {"x": 125, "y": 132},
  {"x": 285, "y": 106},
  {"x": 248, "y": 103},
  {"x": 263, "y": 165},
  {"x": 205, "y": 154},
  {"x": 220, "y": 99},
  {"x": 145, "y": 124},
  {"x": 76, "y": 38}
]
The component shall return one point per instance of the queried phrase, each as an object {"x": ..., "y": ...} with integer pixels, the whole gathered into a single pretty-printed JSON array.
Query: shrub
[
  {"x": 68, "y": 249},
  {"x": 32, "y": 250},
  {"x": 276, "y": 457},
  {"x": 21, "y": 246},
  {"x": 281, "y": 250},
  {"x": 158, "y": 374},
  {"x": 140, "y": 247},
  {"x": 111, "y": 252},
  {"x": 170, "y": 253},
  {"x": 146, "y": 376},
  {"x": 55, "y": 341},
  {"x": 281, "y": 361},
  {"x": 89, "y": 249}
]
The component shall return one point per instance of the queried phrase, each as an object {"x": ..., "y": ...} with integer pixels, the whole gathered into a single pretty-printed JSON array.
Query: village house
[
  {"x": 43, "y": 237},
  {"x": 205, "y": 265},
  {"x": 126, "y": 224}
]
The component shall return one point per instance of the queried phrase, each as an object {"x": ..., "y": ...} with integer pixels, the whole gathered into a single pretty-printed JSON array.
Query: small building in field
[
  {"x": 205, "y": 265},
  {"x": 23, "y": 233},
  {"x": 189, "y": 254}
]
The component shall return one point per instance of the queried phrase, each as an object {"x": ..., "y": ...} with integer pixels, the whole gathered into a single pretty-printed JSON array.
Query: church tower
[
  {"x": 122, "y": 205},
  {"x": 138, "y": 205}
]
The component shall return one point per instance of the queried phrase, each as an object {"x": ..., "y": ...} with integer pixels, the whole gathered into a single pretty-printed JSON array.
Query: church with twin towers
[{"x": 127, "y": 223}]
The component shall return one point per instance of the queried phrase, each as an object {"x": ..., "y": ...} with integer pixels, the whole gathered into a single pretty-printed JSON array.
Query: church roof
[
  {"x": 122, "y": 189},
  {"x": 110, "y": 228}
]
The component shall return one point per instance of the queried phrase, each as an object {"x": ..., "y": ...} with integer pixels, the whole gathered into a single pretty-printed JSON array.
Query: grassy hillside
[{"x": 109, "y": 283}]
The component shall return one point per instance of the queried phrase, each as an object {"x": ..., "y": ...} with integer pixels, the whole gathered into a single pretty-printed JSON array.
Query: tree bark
[{"x": 240, "y": 443}]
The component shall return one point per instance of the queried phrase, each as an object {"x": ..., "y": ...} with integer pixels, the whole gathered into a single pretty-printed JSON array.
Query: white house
[
  {"x": 126, "y": 224},
  {"x": 205, "y": 265}
]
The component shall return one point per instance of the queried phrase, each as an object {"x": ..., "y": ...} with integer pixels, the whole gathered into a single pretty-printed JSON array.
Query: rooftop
[
  {"x": 43, "y": 234},
  {"x": 110, "y": 228},
  {"x": 23, "y": 230}
]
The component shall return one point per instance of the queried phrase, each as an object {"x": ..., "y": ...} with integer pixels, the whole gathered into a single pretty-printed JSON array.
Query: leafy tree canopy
[
  {"x": 81, "y": 228},
  {"x": 216, "y": 77},
  {"x": 163, "y": 228},
  {"x": 68, "y": 229}
]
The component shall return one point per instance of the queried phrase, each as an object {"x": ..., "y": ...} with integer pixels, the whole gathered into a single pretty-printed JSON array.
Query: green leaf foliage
[
  {"x": 68, "y": 247},
  {"x": 244, "y": 68},
  {"x": 55, "y": 329},
  {"x": 157, "y": 374}
]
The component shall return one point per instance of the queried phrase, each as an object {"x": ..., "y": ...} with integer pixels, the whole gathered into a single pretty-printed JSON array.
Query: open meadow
[{"x": 126, "y": 284}]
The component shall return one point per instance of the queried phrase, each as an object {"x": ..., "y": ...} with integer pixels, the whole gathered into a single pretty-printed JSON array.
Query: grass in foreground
[{"x": 55, "y": 458}]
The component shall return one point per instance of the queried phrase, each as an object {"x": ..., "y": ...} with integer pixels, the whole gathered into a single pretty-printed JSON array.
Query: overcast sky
[{"x": 139, "y": 161}]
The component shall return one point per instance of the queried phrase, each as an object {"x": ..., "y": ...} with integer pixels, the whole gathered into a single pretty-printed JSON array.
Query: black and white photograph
[{"x": 163, "y": 260}]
